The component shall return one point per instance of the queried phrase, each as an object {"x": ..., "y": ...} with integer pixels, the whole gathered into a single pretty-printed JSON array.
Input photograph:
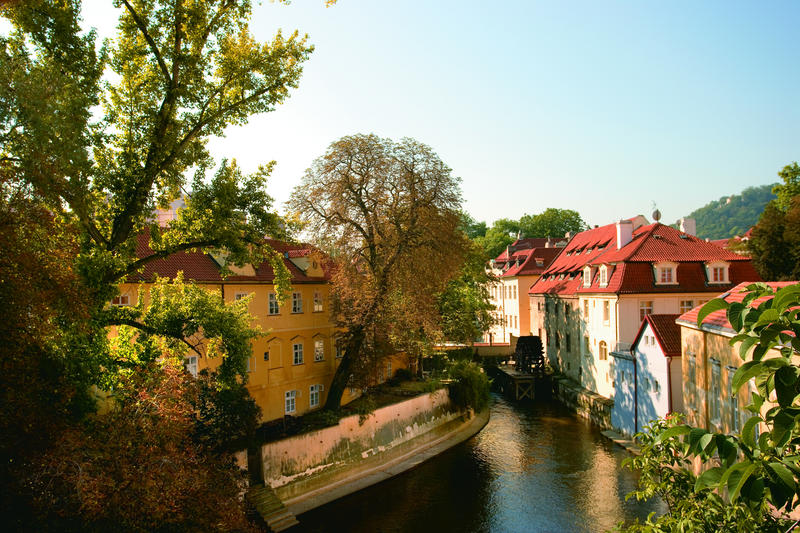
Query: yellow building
[
  {"x": 709, "y": 363},
  {"x": 293, "y": 364}
]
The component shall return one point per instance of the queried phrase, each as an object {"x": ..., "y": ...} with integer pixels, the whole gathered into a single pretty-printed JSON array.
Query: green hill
[{"x": 732, "y": 215}]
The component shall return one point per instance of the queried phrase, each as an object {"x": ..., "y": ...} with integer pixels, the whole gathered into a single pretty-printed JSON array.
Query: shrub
[
  {"x": 470, "y": 386},
  {"x": 401, "y": 375}
]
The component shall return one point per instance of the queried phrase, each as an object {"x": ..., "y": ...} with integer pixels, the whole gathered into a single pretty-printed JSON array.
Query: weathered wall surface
[
  {"x": 298, "y": 465},
  {"x": 585, "y": 403}
]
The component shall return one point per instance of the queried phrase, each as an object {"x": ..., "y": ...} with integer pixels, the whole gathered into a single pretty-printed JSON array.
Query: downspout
[
  {"x": 635, "y": 394},
  {"x": 669, "y": 384}
]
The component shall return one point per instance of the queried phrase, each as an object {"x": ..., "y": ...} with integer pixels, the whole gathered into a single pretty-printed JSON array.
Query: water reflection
[{"x": 535, "y": 467}]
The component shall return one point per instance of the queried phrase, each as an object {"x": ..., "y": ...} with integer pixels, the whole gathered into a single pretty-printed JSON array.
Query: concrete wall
[
  {"x": 585, "y": 403},
  {"x": 305, "y": 463}
]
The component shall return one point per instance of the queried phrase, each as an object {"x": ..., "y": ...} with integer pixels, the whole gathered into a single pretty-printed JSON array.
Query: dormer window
[
  {"x": 666, "y": 273},
  {"x": 603, "y": 276},
  {"x": 717, "y": 272},
  {"x": 587, "y": 276}
]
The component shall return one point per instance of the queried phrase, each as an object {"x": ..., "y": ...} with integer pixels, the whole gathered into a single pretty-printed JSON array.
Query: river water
[{"x": 534, "y": 467}]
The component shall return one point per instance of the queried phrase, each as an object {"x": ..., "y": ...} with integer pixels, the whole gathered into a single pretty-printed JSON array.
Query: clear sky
[{"x": 601, "y": 107}]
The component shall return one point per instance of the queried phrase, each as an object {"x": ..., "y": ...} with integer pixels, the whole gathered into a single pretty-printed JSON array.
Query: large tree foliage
[
  {"x": 751, "y": 474},
  {"x": 388, "y": 213},
  {"x": 552, "y": 222},
  {"x": 92, "y": 139},
  {"x": 774, "y": 243}
]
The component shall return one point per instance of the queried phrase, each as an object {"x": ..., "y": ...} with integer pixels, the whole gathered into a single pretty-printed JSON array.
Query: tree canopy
[
  {"x": 93, "y": 138},
  {"x": 388, "y": 213},
  {"x": 733, "y": 214},
  {"x": 774, "y": 243}
]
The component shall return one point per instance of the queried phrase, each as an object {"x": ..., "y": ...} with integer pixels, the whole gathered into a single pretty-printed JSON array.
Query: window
[
  {"x": 317, "y": 302},
  {"x": 319, "y": 350},
  {"x": 665, "y": 273},
  {"x": 715, "y": 394},
  {"x": 567, "y": 342},
  {"x": 645, "y": 308},
  {"x": 656, "y": 386},
  {"x": 586, "y": 346},
  {"x": 289, "y": 401},
  {"x": 297, "y": 351},
  {"x": 190, "y": 364},
  {"x": 586, "y": 309},
  {"x": 717, "y": 272},
  {"x": 686, "y": 306},
  {"x": 313, "y": 395},
  {"x": 240, "y": 295},
  {"x": 251, "y": 364},
  {"x": 606, "y": 312},
  {"x": 603, "y": 351},
  {"x": 514, "y": 292},
  {"x": 297, "y": 302},
  {"x": 121, "y": 300},
  {"x": 339, "y": 350},
  {"x": 266, "y": 355},
  {"x": 587, "y": 276},
  {"x": 272, "y": 304},
  {"x": 604, "y": 276}
]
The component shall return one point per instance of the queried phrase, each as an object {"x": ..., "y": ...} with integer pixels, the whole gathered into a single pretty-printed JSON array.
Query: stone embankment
[{"x": 309, "y": 470}]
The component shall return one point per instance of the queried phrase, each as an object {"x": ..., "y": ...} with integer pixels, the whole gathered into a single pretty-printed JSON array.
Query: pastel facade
[
  {"x": 648, "y": 379},
  {"x": 709, "y": 363},
  {"x": 516, "y": 269},
  {"x": 293, "y": 364},
  {"x": 592, "y": 299}
]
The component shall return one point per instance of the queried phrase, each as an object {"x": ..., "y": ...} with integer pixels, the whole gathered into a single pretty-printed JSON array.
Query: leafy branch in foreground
[{"x": 750, "y": 479}]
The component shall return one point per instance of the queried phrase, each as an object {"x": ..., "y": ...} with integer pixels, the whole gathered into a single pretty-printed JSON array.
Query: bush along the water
[{"x": 469, "y": 386}]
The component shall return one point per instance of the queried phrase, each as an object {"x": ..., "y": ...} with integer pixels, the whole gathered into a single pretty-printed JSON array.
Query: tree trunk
[{"x": 342, "y": 374}]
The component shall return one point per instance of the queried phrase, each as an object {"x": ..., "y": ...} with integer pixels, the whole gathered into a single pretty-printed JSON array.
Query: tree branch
[
  {"x": 136, "y": 265},
  {"x": 119, "y": 321},
  {"x": 153, "y": 48}
]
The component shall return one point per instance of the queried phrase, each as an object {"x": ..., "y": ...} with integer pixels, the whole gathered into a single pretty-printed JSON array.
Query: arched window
[{"x": 603, "y": 351}]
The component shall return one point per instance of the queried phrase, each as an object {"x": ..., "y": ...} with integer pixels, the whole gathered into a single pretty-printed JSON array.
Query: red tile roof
[
  {"x": 631, "y": 267},
  {"x": 527, "y": 244},
  {"x": 200, "y": 267},
  {"x": 665, "y": 330},
  {"x": 719, "y": 319},
  {"x": 526, "y": 262}
]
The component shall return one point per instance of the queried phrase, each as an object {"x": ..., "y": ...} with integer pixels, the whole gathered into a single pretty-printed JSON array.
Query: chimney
[
  {"x": 547, "y": 243},
  {"x": 624, "y": 233},
  {"x": 567, "y": 235},
  {"x": 688, "y": 226}
]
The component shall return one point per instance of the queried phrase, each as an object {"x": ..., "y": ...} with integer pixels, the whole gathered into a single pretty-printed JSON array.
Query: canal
[{"x": 534, "y": 467}]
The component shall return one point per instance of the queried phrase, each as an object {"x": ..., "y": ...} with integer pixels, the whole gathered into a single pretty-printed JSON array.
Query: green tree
[
  {"x": 502, "y": 233},
  {"x": 388, "y": 213},
  {"x": 552, "y": 222},
  {"x": 790, "y": 174},
  {"x": 774, "y": 243},
  {"x": 80, "y": 190},
  {"x": 752, "y": 473},
  {"x": 471, "y": 227}
]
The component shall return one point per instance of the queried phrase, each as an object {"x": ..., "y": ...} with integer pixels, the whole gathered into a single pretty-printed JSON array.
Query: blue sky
[{"x": 601, "y": 107}]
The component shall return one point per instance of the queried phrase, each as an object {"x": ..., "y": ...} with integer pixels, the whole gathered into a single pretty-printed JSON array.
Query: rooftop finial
[{"x": 656, "y": 213}]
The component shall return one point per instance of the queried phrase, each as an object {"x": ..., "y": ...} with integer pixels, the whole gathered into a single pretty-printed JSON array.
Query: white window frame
[
  {"x": 319, "y": 350},
  {"x": 711, "y": 272},
  {"x": 190, "y": 364},
  {"x": 272, "y": 304},
  {"x": 603, "y": 281},
  {"x": 123, "y": 300},
  {"x": 297, "y": 353},
  {"x": 318, "y": 302},
  {"x": 314, "y": 395},
  {"x": 686, "y": 306},
  {"x": 239, "y": 295},
  {"x": 606, "y": 312},
  {"x": 661, "y": 270},
  {"x": 587, "y": 276},
  {"x": 643, "y": 307},
  {"x": 297, "y": 303},
  {"x": 290, "y": 402}
]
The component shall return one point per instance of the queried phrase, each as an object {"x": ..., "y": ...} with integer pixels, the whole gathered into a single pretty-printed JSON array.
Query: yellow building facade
[{"x": 293, "y": 363}]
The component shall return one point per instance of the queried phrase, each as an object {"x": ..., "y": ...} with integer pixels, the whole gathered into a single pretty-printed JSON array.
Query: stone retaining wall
[
  {"x": 585, "y": 403},
  {"x": 299, "y": 465}
]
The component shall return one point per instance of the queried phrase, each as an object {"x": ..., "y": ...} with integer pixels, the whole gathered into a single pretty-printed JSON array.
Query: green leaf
[
  {"x": 705, "y": 441},
  {"x": 783, "y": 474},
  {"x": 767, "y": 317},
  {"x": 756, "y": 401},
  {"x": 746, "y": 344},
  {"x": 735, "y": 314},
  {"x": 786, "y": 385},
  {"x": 745, "y": 373},
  {"x": 672, "y": 432},
  {"x": 709, "y": 479},
  {"x": 712, "y": 305},
  {"x": 782, "y": 425},
  {"x": 737, "y": 481},
  {"x": 694, "y": 439},
  {"x": 786, "y": 296},
  {"x": 748, "y": 431}
]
